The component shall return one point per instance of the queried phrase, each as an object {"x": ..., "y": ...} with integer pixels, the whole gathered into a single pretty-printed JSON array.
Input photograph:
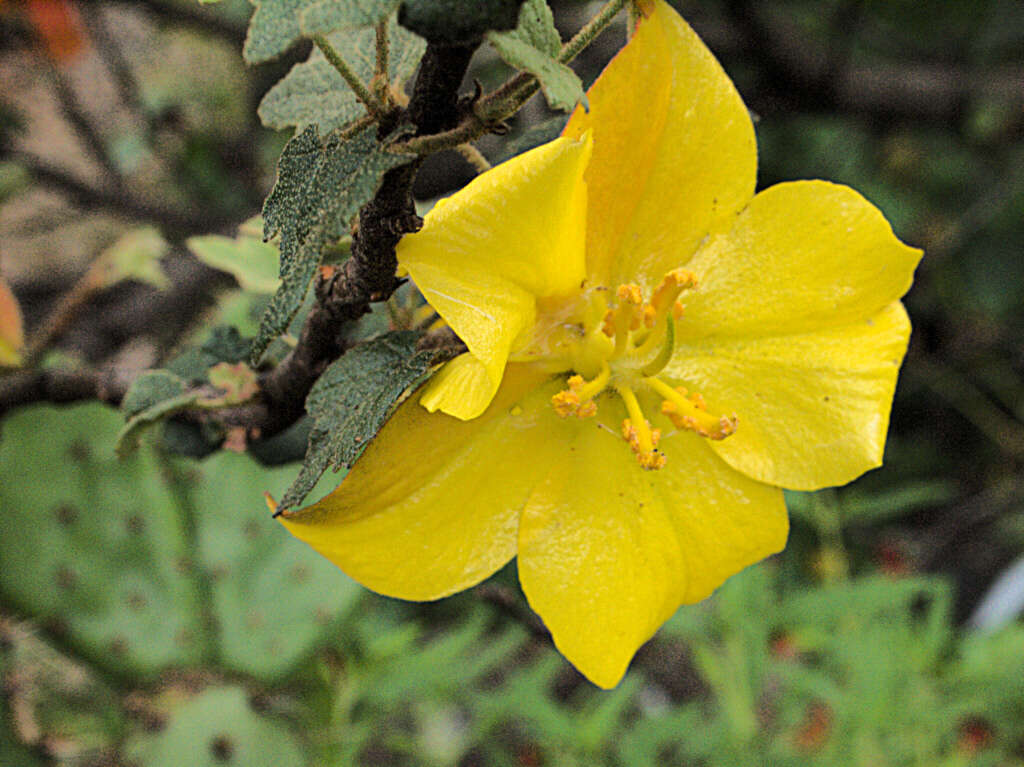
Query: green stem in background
[
  {"x": 380, "y": 73},
  {"x": 504, "y": 102},
  {"x": 373, "y": 106}
]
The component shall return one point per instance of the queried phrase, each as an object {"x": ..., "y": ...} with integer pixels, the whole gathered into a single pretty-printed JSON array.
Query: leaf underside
[{"x": 353, "y": 399}]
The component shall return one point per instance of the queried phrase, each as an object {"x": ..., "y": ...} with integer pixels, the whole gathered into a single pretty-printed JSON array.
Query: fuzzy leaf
[
  {"x": 247, "y": 258},
  {"x": 225, "y": 344},
  {"x": 352, "y": 400},
  {"x": 320, "y": 188},
  {"x": 153, "y": 397},
  {"x": 12, "y": 336},
  {"x": 533, "y": 46},
  {"x": 151, "y": 388},
  {"x": 326, "y": 16},
  {"x": 314, "y": 93},
  {"x": 277, "y": 24}
]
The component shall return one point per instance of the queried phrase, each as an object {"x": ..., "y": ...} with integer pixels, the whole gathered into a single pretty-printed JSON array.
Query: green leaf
[
  {"x": 320, "y": 188},
  {"x": 313, "y": 93},
  {"x": 247, "y": 258},
  {"x": 352, "y": 400},
  {"x": 215, "y": 728},
  {"x": 96, "y": 546},
  {"x": 152, "y": 388},
  {"x": 135, "y": 255},
  {"x": 325, "y": 16},
  {"x": 534, "y": 46},
  {"x": 277, "y": 24},
  {"x": 225, "y": 344},
  {"x": 253, "y": 564},
  {"x": 154, "y": 396}
]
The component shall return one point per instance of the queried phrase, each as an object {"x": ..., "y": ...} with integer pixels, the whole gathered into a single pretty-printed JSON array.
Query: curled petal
[{"x": 484, "y": 255}]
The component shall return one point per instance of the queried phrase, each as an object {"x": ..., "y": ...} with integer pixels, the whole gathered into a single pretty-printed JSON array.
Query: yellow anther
[
  {"x": 677, "y": 310},
  {"x": 690, "y": 412},
  {"x": 608, "y": 323},
  {"x": 637, "y": 431},
  {"x": 671, "y": 285},
  {"x": 566, "y": 403},
  {"x": 630, "y": 294},
  {"x": 650, "y": 316},
  {"x": 578, "y": 399}
]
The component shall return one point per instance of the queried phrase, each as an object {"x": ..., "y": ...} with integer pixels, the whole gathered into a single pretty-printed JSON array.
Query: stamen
[
  {"x": 578, "y": 399},
  {"x": 690, "y": 412},
  {"x": 637, "y": 431},
  {"x": 672, "y": 284},
  {"x": 663, "y": 301}
]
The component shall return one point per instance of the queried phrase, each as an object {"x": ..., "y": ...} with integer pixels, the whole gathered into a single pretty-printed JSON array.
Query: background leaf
[
  {"x": 534, "y": 46},
  {"x": 320, "y": 188},
  {"x": 255, "y": 264},
  {"x": 322, "y": 17},
  {"x": 277, "y": 24},
  {"x": 135, "y": 256},
  {"x": 313, "y": 93},
  {"x": 214, "y": 728}
]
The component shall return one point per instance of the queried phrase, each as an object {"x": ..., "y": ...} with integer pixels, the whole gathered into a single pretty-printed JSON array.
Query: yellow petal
[
  {"x": 485, "y": 254},
  {"x": 801, "y": 256},
  {"x": 486, "y": 311},
  {"x": 462, "y": 388},
  {"x": 432, "y": 507},
  {"x": 608, "y": 551},
  {"x": 813, "y": 408},
  {"x": 674, "y": 153}
]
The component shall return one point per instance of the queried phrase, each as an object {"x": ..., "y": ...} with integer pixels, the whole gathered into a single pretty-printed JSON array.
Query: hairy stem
[
  {"x": 380, "y": 72},
  {"x": 373, "y": 106},
  {"x": 505, "y": 101}
]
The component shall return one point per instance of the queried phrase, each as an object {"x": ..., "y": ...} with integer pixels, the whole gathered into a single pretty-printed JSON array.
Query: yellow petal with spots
[
  {"x": 432, "y": 507},
  {"x": 608, "y": 551},
  {"x": 487, "y": 253},
  {"x": 801, "y": 256},
  {"x": 813, "y": 408},
  {"x": 674, "y": 153}
]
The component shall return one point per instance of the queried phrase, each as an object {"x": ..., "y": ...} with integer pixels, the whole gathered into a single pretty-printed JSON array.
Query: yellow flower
[{"x": 654, "y": 352}]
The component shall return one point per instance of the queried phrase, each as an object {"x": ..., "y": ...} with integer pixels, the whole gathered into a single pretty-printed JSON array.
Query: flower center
[{"x": 623, "y": 347}]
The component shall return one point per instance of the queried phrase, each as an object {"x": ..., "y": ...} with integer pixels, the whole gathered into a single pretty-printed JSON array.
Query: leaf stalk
[{"x": 373, "y": 106}]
